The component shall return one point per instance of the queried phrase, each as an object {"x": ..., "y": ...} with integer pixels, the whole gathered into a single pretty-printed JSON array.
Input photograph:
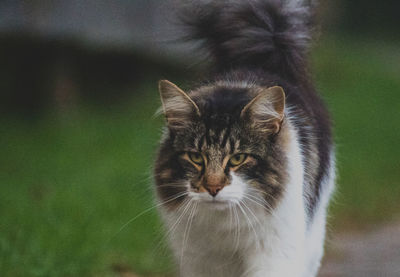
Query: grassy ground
[
  {"x": 68, "y": 183},
  {"x": 361, "y": 85}
]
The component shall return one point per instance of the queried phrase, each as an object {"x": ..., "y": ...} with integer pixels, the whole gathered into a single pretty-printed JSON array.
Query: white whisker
[
  {"x": 149, "y": 209},
  {"x": 187, "y": 229},
  {"x": 250, "y": 226},
  {"x": 237, "y": 224},
  {"x": 183, "y": 207}
]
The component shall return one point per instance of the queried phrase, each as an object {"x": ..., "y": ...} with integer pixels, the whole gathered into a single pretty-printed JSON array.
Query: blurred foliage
[
  {"x": 71, "y": 180},
  {"x": 39, "y": 73},
  {"x": 370, "y": 17},
  {"x": 359, "y": 81}
]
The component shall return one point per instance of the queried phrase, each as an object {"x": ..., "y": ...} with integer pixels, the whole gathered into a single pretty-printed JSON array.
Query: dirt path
[{"x": 374, "y": 254}]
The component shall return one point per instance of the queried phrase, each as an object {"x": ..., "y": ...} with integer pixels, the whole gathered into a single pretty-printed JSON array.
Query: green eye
[
  {"x": 197, "y": 158},
  {"x": 237, "y": 159}
]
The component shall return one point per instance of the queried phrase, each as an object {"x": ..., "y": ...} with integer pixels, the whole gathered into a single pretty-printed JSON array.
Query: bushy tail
[{"x": 270, "y": 34}]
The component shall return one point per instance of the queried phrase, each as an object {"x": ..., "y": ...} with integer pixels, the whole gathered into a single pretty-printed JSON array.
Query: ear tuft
[
  {"x": 179, "y": 109},
  {"x": 266, "y": 111}
]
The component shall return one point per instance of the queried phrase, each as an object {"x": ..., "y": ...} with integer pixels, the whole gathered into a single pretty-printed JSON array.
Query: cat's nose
[{"x": 213, "y": 190}]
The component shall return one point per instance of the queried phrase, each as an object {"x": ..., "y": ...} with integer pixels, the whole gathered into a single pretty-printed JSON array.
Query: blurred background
[{"x": 78, "y": 91}]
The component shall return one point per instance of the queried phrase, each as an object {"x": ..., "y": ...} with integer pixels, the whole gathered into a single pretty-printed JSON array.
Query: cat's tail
[{"x": 273, "y": 35}]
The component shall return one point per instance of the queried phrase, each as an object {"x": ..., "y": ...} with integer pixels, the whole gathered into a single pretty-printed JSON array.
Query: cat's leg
[
  {"x": 316, "y": 234},
  {"x": 275, "y": 268},
  {"x": 210, "y": 265},
  {"x": 287, "y": 262},
  {"x": 315, "y": 244},
  {"x": 282, "y": 250},
  {"x": 203, "y": 254}
]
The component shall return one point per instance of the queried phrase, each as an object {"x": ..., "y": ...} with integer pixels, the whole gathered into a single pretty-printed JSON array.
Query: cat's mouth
[
  {"x": 220, "y": 203},
  {"x": 208, "y": 200},
  {"x": 216, "y": 201},
  {"x": 216, "y": 204}
]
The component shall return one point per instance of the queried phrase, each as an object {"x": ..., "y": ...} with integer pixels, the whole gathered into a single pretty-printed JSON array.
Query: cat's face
[{"x": 222, "y": 145}]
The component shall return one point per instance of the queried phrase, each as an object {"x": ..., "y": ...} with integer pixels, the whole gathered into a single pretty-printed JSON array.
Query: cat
[{"x": 246, "y": 164}]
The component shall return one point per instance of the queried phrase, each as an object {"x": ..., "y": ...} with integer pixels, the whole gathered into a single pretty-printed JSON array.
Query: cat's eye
[
  {"x": 237, "y": 159},
  {"x": 197, "y": 158}
]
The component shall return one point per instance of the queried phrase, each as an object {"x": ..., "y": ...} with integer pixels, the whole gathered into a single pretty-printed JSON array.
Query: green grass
[
  {"x": 361, "y": 85},
  {"x": 69, "y": 182}
]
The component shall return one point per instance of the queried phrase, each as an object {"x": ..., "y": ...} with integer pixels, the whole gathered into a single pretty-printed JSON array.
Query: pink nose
[{"x": 213, "y": 190}]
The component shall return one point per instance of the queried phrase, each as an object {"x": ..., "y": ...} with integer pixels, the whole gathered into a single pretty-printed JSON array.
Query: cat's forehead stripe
[
  {"x": 224, "y": 136},
  {"x": 200, "y": 143},
  {"x": 222, "y": 139}
]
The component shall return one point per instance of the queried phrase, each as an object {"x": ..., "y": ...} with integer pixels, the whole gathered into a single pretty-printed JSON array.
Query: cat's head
[{"x": 223, "y": 143}]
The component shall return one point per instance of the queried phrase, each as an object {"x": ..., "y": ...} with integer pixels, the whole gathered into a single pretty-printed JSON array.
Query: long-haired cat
[{"x": 245, "y": 169}]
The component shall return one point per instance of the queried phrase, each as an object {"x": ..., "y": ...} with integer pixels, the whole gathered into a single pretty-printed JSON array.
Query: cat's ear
[
  {"x": 265, "y": 112},
  {"x": 179, "y": 109}
]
